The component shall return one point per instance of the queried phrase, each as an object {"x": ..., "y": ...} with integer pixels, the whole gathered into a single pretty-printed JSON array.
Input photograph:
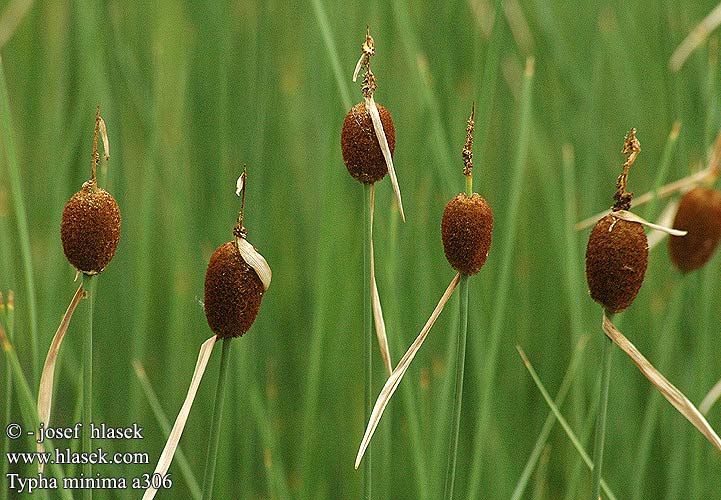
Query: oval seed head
[
  {"x": 466, "y": 230},
  {"x": 362, "y": 154},
  {"x": 699, "y": 213},
  {"x": 90, "y": 229},
  {"x": 616, "y": 260},
  {"x": 233, "y": 292}
]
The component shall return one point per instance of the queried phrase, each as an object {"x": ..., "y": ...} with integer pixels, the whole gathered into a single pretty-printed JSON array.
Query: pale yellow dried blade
[
  {"x": 380, "y": 323},
  {"x": 252, "y": 257},
  {"x": 174, "y": 438},
  {"x": 395, "y": 378},
  {"x": 669, "y": 391},
  {"x": 47, "y": 378},
  {"x": 699, "y": 34},
  {"x": 713, "y": 395},
  {"x": 358, "y": 67},
  {"x": 632, "y": 217},
  {"x": 665, "y": 219},
  {"x": 381, "y": 135}
]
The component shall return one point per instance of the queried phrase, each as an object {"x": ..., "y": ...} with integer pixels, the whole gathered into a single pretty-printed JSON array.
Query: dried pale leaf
[
  {"x": 376, "y": 300},
  {"x": 104, "y": 135},
  {"x": 358, "y": 67},
  {"x": 381, "y": 135},
  {"x": 255, "y": 260},
  {"x": 45, "y": 393},
  {"x": 699, "y": 34},
  {"x": 665, "y": 219},
  {"x": 632, "y": 217},
  {"x": 669, "y": 391},
  {"x": 395, "y": 378},
  {"x": 713, "y": 395},
  {"x": 239, "y": 184},
  {"x": 167, "y": 455},
  {"x": 709, "y": 173}
]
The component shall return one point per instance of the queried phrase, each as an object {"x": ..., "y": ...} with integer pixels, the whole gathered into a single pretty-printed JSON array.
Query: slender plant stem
[
  {"x": 89, "y": 284},
  {"x": 601, "y": 417},
  {"x": 457, "y": 399},
  {"x": 367, "y": 333},
  {"x": 6, "y": 136},
  {"x": 209, "y": 475}
]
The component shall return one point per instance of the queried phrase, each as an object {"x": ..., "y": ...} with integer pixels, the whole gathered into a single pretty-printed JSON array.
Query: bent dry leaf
[
  {"x": 632, "y": 217},
  {"x": 669, "y": 391},
  {"x": 395, "y": 378},
  {"x": 47, "y": 378},
  {"x": 380, "y": 323},
  {"x": 167, "y": 455},
  {"x": 383, "y": 142},
  {"x": 694, "y": 39},
  {"x": 253, "y": 258},
  {"x": 665, "y": 219}
]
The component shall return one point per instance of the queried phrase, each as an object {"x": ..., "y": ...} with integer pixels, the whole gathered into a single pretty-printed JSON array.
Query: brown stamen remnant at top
[
  {"x": 631, "y": 148},
  {"x": 467, "y": 152},
  {"x": 369, "y": 80},
  {"x": 239, "y": 230}
]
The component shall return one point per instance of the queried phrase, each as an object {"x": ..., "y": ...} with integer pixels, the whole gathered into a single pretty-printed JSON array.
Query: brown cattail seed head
[
  {"x": 361, "y": 151},
  {"x": 466, "y": 230},
  {"x": 90, "y": 229},
  {"x": 616, "y": 260},
  {"x": 699, "y": 213},
  {"x": 233, "y": 292}
]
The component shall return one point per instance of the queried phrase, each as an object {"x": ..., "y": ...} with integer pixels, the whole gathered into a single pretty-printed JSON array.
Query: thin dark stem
[
  {"x": 367, "y": 333},
  {"x": 210, "y": 460},
  {"x": 600, "y": 436},
  {"x": 458, "y": 397},
  {"x": 89, "y": 285}
]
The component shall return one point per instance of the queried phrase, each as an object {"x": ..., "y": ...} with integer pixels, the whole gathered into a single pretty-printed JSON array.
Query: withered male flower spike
[
  {"x": 617, "y": 251},
  {"x": 700, "y": 214},
  {"x": 90, "y": 226},
  {"x": 235, "y": 281}
]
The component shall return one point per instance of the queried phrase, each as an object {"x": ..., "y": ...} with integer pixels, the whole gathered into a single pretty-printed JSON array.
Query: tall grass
[{"x": 191, "y": 90}]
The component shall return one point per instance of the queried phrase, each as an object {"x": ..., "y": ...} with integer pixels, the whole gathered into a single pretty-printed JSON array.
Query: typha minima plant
[
  {"x": 368, "y": 140},
  {"x": 236, "y": 280},
  {"x": 616, "y": 261},
  {"x": 466, "y": 230},
  {"x": 90, "y": 232},
  {"x": 699, "y": 213}
]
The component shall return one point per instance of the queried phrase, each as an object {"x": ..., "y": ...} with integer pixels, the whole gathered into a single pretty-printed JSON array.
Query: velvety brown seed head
[
  {"x": 233, "y": 292},
  {"x": 466, "y": 230},
  {"x": 90, "y": 229},
  {"x": 361, "y": 151},
  {"x": 699, "y": 213},
  {"x": 616, "y": 260}
]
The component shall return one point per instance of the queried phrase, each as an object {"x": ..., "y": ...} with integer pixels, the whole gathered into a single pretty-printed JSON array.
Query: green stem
[
  {"x": 601, "y": 417},
  {"x": 458, "y": 400},
  {"x": 6, "y": 136},
  {"x": 367, "y": 333},
  {"x": 89, "y": 284},
  {"x": 209, "y": 475}
]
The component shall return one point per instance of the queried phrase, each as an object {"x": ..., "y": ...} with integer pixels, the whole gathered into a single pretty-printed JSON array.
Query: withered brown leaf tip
[
  {"x": 699, "y": 213},
  {"x": 466, "y": 230},
  {"x": 362, "y": 153},
  {"x": 233, "y": 292},
  {"x": 90, "y": 229},
  {"x": 616, "y": 260}
]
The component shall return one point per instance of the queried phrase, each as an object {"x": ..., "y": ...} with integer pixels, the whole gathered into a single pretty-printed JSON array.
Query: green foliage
[{"x": 192, "y": 90}]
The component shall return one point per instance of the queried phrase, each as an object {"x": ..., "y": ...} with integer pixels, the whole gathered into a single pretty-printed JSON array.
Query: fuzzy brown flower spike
[
  {"x": 467, "y": 223},
  {"x": 700, "y": 214},
  {"x": 617, "y": 251},
  {"x": 235, "y": 281},
  {"x": 90, "y": 226}
]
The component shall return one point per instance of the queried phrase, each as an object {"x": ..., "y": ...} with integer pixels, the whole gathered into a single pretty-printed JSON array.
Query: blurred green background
[{"x": 191, "y": 91}]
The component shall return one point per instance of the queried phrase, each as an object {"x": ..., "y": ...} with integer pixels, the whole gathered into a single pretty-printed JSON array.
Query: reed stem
[
  {"x": 367, "y": 333},
  {"x": 89, "y": 284},
  {"x": 210, "y": 460},
  {"x": 600, "y": 436}
]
